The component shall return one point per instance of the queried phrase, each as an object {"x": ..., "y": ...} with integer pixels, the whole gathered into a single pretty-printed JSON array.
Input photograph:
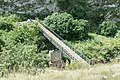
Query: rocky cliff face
[
  {"x": 29, "y": 6},
  {"x": 42, "y": 8}
]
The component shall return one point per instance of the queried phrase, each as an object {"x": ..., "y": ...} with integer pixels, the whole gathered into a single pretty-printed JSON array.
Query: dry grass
[{"x": 99, "y": 72}]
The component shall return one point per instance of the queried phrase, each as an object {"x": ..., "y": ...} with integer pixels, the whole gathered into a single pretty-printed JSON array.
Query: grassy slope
[
  {"x": 96, "y": 46},
  {"x": 98, "y": 72}
]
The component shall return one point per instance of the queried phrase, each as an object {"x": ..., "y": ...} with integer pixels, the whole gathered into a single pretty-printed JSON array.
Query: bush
[
  {"x": 20, "y": 55},
  {"x": 6, "y": 23},
  {"x": 65, "y": 26},
  {"x": 99, "y": 49},
  {"x": 117, "y": 34},
  {"x": 22, "y": 47},
  {"x": 10, "y": 18},
  {"x": 81, "y": 29},
  {"x": 107, "y": 28}
]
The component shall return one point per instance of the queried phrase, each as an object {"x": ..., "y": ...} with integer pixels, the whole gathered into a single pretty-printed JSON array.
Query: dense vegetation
[
  {"x": 21, "y": 45},
  {"x": 66, "y": 26},
  {"x": 107, "y": 28},
  {"x": 118, "y": 34},
  {"x": 100, "y": 48},
  {"x": 90, "y": 26}
]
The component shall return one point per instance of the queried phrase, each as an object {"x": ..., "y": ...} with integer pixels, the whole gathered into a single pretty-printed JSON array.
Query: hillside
[
  {"x": 24, "y": 48},
  {"x": 99, "y": 49}
]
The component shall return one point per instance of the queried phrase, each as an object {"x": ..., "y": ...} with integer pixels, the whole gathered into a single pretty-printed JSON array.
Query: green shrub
[
  {"x": 109, "y": 53},
  {"x": 65, "y": 26},
  {"x": 10, "y": 18},
  {"x": 107, "y": 28},
  {"x": 99, "y": 49},
  {"x": 60, "y": 23},
  {"x": 117, "y": 34},
  {"x": 22, "y": 47},
  {"x": 6, "y": 23},
  {"x": 21, "y": 56},
  {"x": 81, "y": 29}
]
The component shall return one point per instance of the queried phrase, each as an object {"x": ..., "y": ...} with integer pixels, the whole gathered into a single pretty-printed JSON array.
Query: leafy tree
[
  {"x": 107, "y": 28},
  {"x": 81, "y": 28},
  {"x": 68, "y": 28}
]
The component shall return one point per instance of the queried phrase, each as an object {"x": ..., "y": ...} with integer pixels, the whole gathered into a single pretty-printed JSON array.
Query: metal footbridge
[{"x": 61, "y": 44}]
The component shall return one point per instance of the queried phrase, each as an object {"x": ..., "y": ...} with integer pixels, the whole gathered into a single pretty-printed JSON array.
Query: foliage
[
  {"x": 76, "y": 8},
  {"x": 81, "y": 28},
  {"x": 107, "y": 28},
  {"x": 6, "y": 22},
  {"x": 99, "y": 49},
  {"x": 22, "y": 47},
  {"x": 117, "y": 34},
  {"x": 65, "y": 26},
  {"x": 15, "y": 57},
  {"x": 10, "y": 18},
  {"x": 101, "y": 10}
]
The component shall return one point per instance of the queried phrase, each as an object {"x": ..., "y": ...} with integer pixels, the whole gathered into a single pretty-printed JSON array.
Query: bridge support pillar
[{"x": 56, "y": 59}]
